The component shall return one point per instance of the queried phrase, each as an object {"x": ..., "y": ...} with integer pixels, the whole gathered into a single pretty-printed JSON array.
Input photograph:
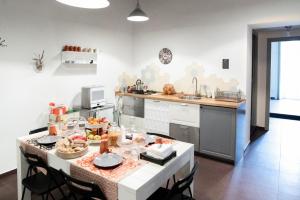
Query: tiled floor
[
  {"x": 270, "y": 170},
  {"x": 285, "y": 106}
]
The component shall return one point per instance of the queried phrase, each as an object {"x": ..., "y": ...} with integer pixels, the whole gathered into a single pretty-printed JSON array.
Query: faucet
[{"x": 195, "y": 79}]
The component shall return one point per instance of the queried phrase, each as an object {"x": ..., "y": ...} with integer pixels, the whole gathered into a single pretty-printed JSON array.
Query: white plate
[
  {"x": 108, "y": 160},
  {"x": 48, "y": 140}
]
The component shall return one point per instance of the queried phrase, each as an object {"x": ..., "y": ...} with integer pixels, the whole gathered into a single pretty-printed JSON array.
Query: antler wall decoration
[
  {"x": 2, "y": 43},
  {"x": 39, "y": 62}
]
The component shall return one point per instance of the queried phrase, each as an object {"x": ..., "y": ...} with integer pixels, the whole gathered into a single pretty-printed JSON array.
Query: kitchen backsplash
[{"x": 155, "y": 78}]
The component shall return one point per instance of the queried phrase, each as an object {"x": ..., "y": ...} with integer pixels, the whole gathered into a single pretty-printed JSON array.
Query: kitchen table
[{"x": 138, "y": 185}]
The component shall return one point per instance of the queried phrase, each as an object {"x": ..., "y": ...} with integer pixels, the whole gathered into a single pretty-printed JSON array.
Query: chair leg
[
  {"x": 43, "y": 197},
  {"x": 23, "y": 193},
  {"x": 190, "y": 191},
  {"x": 62, "y": 192},
  {"x": 52, "y": 196},
  {"x": 174, "y": 179},
  {"x": 167, "y": 187}
]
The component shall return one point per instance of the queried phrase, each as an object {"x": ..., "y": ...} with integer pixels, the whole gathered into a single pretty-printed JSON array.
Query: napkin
[{"x": 160, "y": 151}]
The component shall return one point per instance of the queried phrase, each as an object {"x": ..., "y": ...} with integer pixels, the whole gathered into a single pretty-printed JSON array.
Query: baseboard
[
  {"x": 214, "y": 158},
  {"x": 285, "y": 116},
  {"x": 14, "y": 171}
]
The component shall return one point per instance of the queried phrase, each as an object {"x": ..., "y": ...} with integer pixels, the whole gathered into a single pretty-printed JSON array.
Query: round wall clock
[{"x": 165, "y": 56}]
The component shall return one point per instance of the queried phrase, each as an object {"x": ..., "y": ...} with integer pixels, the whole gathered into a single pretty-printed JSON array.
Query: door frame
[{"x": 268, "y": 84}]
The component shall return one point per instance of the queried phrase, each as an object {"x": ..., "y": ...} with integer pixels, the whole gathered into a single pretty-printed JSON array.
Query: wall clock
[{"x": 165, "y": 56}]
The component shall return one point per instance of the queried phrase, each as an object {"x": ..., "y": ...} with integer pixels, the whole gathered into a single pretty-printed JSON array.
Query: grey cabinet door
[
  {"x": 185, "y": 134},
  {"x": 217, "y": 131},
  {"x": 133, "y": 106}
]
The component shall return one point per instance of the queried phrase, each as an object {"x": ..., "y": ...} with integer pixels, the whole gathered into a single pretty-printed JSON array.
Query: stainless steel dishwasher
[
  {"x": 186, "y": 134},
  {"x": 133, "y": 106}
]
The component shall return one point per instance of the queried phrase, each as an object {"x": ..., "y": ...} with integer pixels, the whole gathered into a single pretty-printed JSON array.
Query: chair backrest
[
  {"x": 180, "y": 186},
  {"x": 38, "y": 130},
  {"x": 34, "y": 160},
  {"x": 161, "y": 135},
  {"x": 82, "y": 188}
]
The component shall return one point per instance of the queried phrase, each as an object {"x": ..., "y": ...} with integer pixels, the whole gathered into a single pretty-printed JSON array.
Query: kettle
[{"x": 139, "y": 84}]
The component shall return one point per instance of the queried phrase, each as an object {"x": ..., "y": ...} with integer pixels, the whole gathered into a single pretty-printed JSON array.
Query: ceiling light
[
  {"x": 138, "y": 15},
  {"x": 90, "y": 4}
]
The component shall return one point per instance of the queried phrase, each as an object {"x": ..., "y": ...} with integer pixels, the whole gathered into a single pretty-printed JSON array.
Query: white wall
[
  {"x": 204, "y": 32},
  {"x": 33, "y": 25}
]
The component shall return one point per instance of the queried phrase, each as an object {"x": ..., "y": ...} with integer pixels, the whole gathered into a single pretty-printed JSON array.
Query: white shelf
[
  {"x": 79, "y": 58},
  {"x": 79, "y": 64}
]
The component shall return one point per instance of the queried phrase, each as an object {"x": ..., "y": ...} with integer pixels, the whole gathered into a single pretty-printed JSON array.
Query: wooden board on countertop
[{"x": 175, "y": 98}]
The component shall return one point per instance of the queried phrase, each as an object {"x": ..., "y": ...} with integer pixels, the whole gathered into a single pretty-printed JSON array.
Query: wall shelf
[{"x": 72, "y": 58}]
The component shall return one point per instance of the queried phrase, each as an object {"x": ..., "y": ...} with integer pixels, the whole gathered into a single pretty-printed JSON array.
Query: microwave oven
[{"x": 92, "y": 96}]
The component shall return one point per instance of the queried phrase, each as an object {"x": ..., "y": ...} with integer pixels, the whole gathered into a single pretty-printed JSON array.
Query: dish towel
[{"x": 160, "y": 151}]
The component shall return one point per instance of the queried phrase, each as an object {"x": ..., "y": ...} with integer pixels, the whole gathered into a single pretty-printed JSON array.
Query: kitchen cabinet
[
  {"x": 186, "y": 134},
  {"x": 133, "y": 112},
  {"x": 221, "y": 133},
  {"x": 218, "y": 132},
  {"x": 133, "y": 106},
  {"x": 185, "y": 114},
  {"x": 157, "y": 116}
]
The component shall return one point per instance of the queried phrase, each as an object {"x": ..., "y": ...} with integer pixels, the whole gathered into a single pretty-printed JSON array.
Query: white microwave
[{"x": 92, "y": 96}]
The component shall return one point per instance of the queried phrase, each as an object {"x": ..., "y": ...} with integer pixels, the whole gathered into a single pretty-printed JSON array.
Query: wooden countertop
[{"x": 175, "y": 98}]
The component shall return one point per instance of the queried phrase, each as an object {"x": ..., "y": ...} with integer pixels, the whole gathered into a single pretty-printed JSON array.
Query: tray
[
  {"x": 71, "y": 155},
  {"x": 144, "y": 156}
]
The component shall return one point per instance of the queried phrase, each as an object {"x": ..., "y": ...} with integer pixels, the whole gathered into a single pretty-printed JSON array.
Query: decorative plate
[
  {"x": 108, "y": 160},
  {"x": 165, "y": 56},
  {"x": 48, "y": 140}
]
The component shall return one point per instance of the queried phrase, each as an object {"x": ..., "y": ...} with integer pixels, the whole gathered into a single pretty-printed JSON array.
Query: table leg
[
  {"x": 22, "y": 167},
  {"x": 191, "y": 165}
]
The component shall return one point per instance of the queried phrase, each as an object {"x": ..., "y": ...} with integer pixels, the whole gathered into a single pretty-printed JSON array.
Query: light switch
[{"x": 225, "y": 63}]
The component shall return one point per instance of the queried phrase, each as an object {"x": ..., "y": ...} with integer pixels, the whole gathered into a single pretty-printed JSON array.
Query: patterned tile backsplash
[{"x": 155, "y": 78}]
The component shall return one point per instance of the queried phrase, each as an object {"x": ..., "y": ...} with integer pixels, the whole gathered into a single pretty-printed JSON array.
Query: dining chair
[
  {"x": 38, "y": 130},
  {"x": 85, "y": 190},
  {"x": 38, "y": 182},
  {"x": 176, "y": 192},
  {"x": 167, "y": 137}
]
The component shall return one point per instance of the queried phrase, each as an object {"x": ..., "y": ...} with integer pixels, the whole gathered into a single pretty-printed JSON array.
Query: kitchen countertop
[{"x": 175, "y": 98}]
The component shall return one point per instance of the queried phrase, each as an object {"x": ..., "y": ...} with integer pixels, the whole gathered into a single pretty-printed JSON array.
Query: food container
[
  {"x": 104, "y": 146},
  {"x": 52, "y": 129},
  {"x": 72, "y": 155},
  {"x": 114, "y": 134}
]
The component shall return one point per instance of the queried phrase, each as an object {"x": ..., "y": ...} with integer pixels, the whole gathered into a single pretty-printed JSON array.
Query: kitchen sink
[{"x": 190, "y": 97}]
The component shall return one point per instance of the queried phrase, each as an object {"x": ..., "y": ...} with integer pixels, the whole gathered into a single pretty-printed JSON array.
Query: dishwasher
[
  {"x": 187, "y": 134},
  {"x": 133, "y": 112},
  {"x": 133, "y": 106}
]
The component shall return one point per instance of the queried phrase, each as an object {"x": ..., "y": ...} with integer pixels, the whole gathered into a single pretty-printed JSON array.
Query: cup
[{"x": 104, "y": 146}]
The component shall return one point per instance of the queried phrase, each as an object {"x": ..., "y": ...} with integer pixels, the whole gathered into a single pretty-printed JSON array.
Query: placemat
[{"x": 107, "y": 179}]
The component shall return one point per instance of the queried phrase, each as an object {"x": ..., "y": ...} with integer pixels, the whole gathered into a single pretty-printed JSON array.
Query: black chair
[
  {"x": 38, "y": 130},
  {"x": 38, "y": 182},
  {"x": 85, "y": 190},
  {"x": 167, "y": 137},
  {"x": 176, "y": 192}
]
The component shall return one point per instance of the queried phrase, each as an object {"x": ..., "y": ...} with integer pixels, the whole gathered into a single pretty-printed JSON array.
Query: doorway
[
  {"x": 284, "y": 81},
  {"x": 271, "y": 79}
]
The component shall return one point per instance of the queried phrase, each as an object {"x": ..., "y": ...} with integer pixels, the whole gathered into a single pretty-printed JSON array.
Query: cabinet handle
[
  {"x": 183, "y": 127},
  {"x": 156, "y": 101},
  {"x": 183, "y": 104}
]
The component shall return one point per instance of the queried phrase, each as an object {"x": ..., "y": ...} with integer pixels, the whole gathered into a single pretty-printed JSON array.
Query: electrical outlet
[{"x": 225, "y": 63}]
